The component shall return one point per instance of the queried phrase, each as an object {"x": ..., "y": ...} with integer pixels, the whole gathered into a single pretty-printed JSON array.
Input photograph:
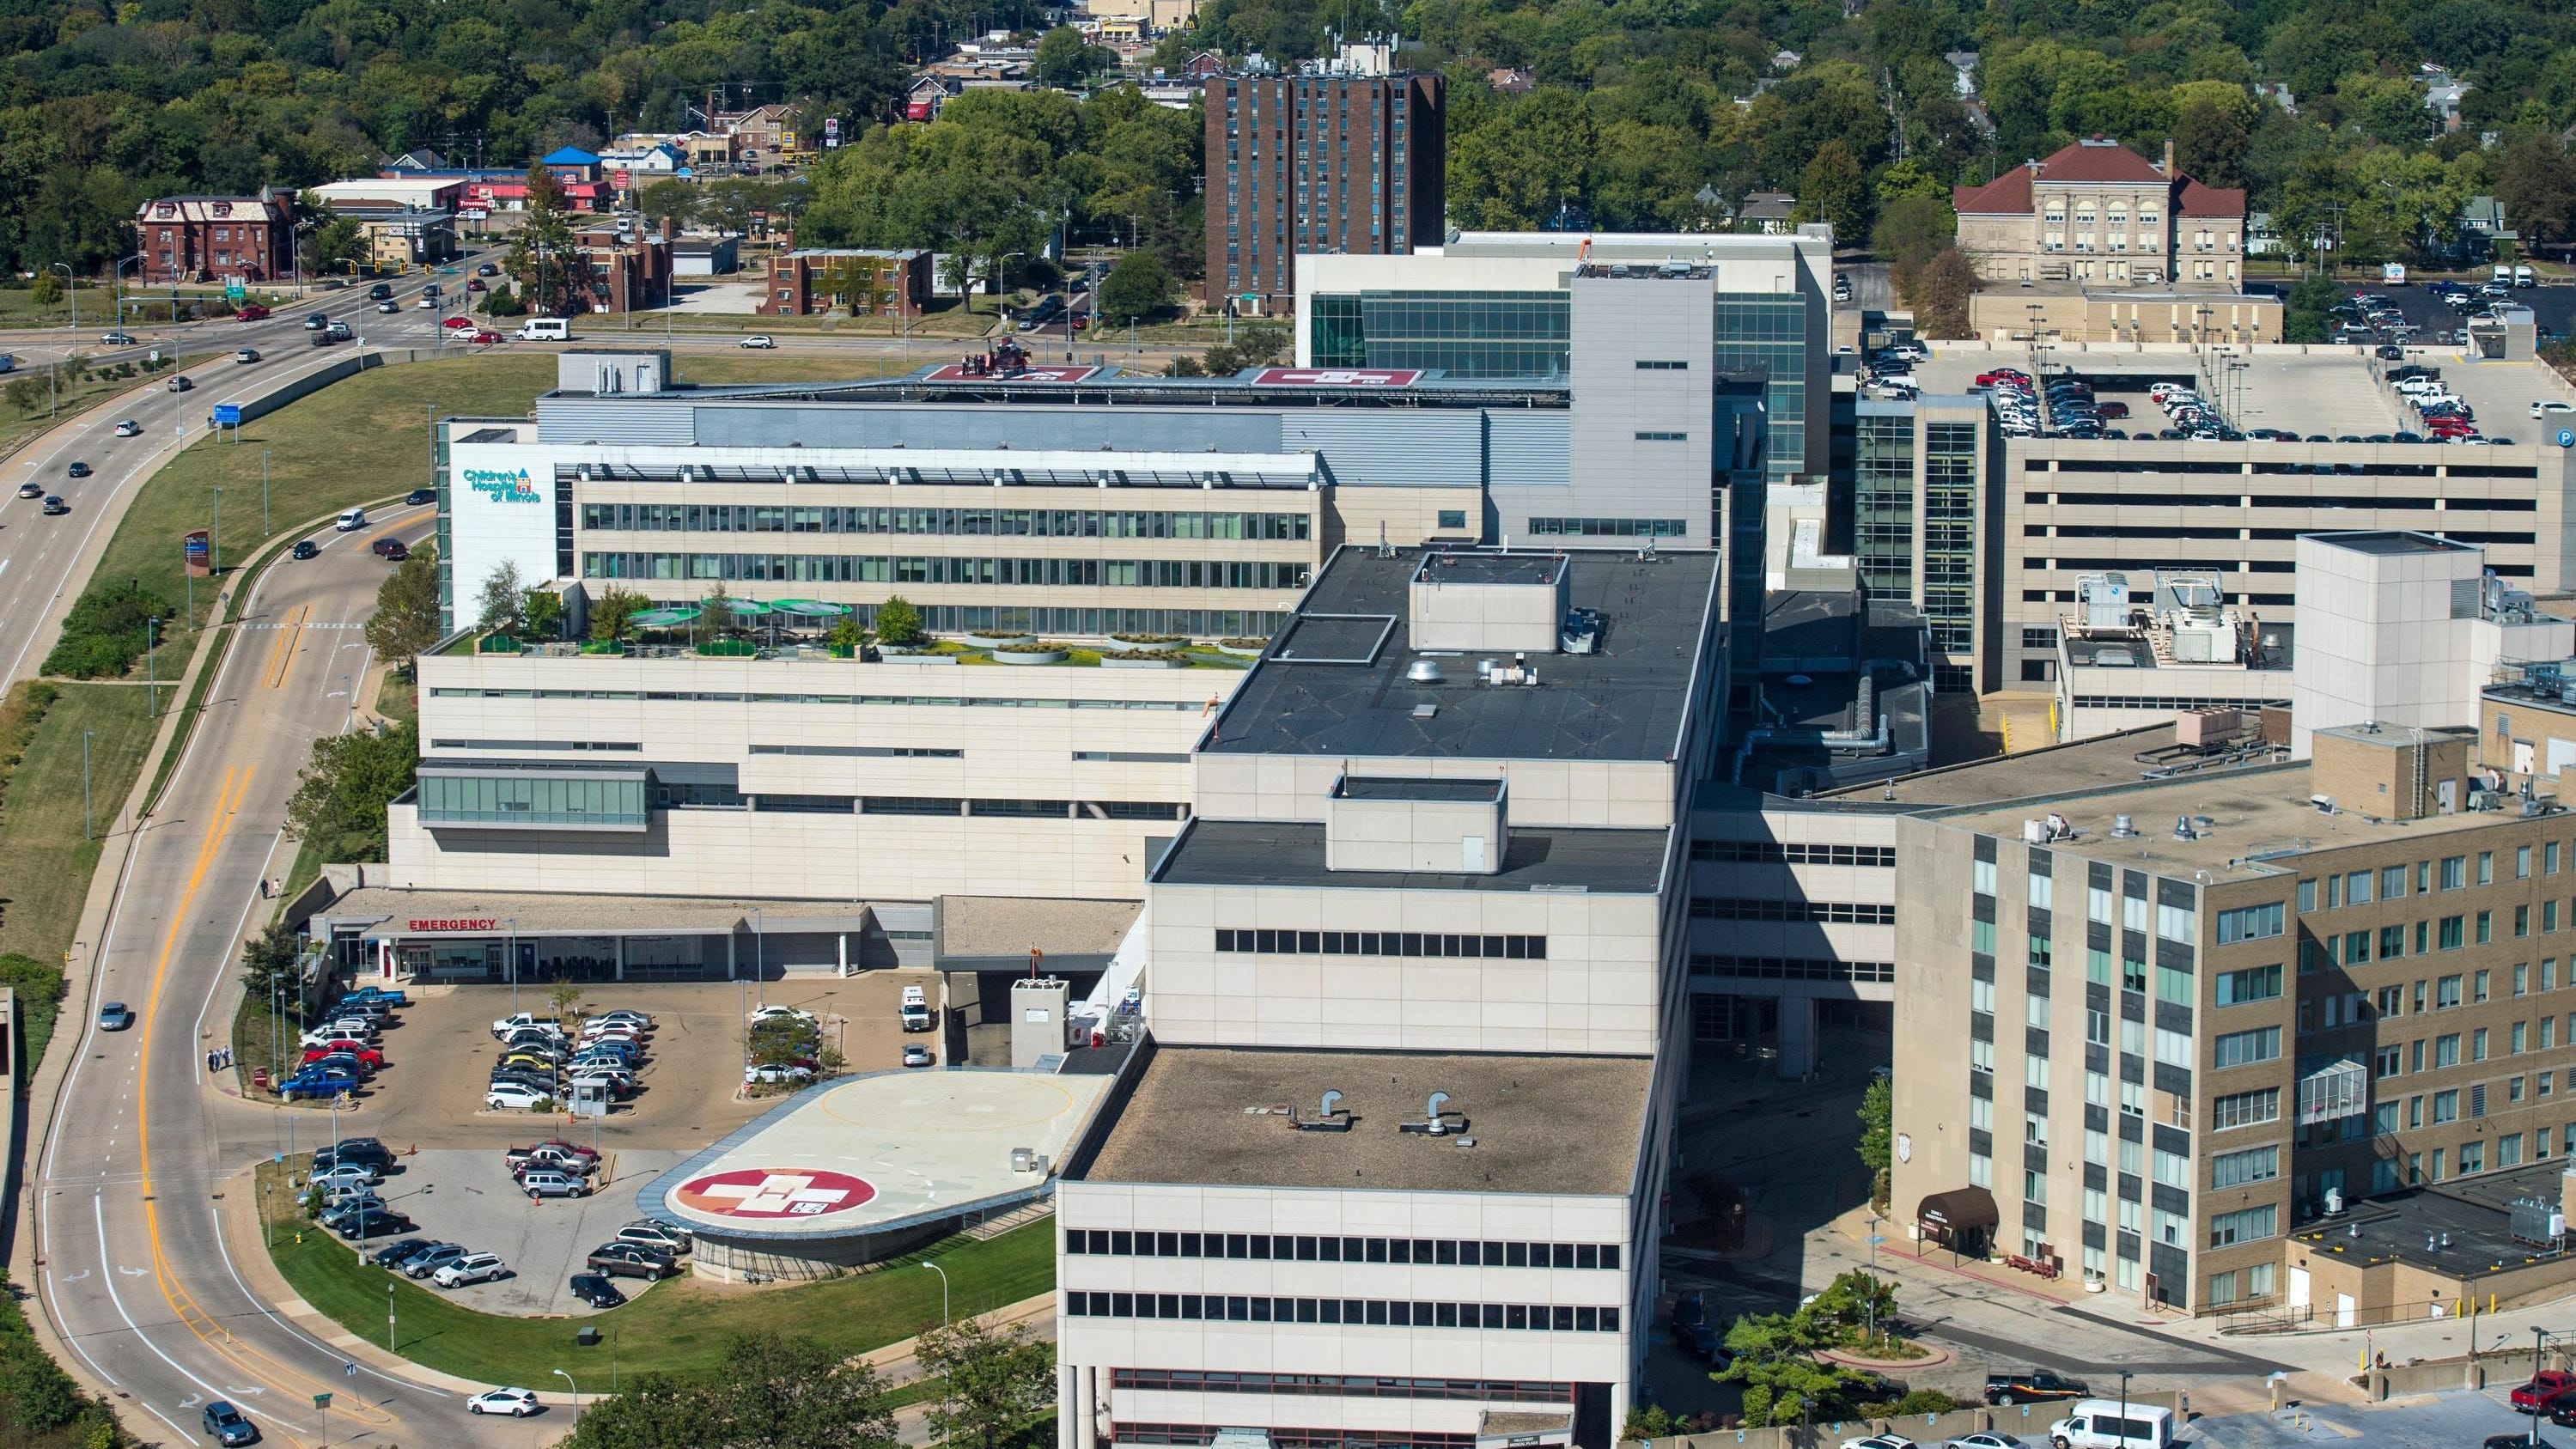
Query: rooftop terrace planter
[{"x": 1030, "y": 653}]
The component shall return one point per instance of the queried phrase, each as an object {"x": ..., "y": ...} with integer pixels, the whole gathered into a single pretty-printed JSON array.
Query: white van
[
  {"x": 2522, "y": 276},
  {"x": 2109, "y": 1424},
  {"x": 353, "y": 520},
  {"x": 916, "y": 1009},
  {"x": 2503, "y": 276},
  {"x": 546, "y": 329}
]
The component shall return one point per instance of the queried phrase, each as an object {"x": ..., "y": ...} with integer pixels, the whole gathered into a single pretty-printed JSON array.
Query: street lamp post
[
  {"x": 389, "y": 1318},
  {"x": 71, "y": 292},
  {"x": 151, "y": 673},
  {"x": 215, "y": 537},
  {"x": 86, "y": 832},
  {"x": 943, "y": 1289},
  {"x": 120, "y": 291},
  {"x": 263, "y": 493},
  {"x": 576, "y": 1395},
  {"x": 760, "y": 955},
  {"x": 513, "y": 923},
  {"x": 2124, "y": 1399}
]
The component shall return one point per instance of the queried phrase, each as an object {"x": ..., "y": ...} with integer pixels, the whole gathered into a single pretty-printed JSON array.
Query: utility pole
[
  {"x": 263, "y": 493},
  {"x": 86, "y": 833}
]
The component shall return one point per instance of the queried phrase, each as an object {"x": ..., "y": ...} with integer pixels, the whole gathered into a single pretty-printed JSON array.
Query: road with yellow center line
[{"x": 139, "y": 1140}]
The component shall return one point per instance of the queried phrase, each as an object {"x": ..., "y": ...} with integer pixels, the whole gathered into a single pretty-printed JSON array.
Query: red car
[
  {"x": 2111, "y": 410},
  {"x": 251, "y": 312},
  {"x": 460, "y": 324},
  {"x": 369, "y": 1057},
  {"x": 485, "y": 339},
  {"x": 2534, "y": 1397}
]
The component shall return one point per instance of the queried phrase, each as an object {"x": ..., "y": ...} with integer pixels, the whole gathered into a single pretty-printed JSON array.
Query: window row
[
  {"x": 1310, "y": 1248},
  {"x": 732, "y": 697},
  {"x": 1609, "y": 527},
  {"x": 1202, "y": 1434},
  {"x": 1349, "y": 1312},
  {"x": 966, "y": 522},
  {"x": 1792, "y": 968},
  {"x": 1342, "y": 1386},
  {"x": 829, "y": 568},
  {"x": 1379, "y": 943},
  {"x": 1728, "y": 908},
  {"x": 1772, "y": 852}
]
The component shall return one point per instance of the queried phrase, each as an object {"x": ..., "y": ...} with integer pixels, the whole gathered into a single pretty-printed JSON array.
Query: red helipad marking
[
  {"x": 956, "y": 372},
  {"x": 771, "y": 1192}
]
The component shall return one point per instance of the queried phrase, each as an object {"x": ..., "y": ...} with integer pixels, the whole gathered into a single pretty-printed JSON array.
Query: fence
[{"x": 2027, "y": 1422}]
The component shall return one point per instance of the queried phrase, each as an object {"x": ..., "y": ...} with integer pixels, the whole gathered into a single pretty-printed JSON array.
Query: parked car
[
  {"x": 2035, "y": 1386},
  {"x": 372, "y": 1220},
  {"x": 513, "y": 1096},
  {"x": 432, "y": 1258},
  {"x": 114, "y": 1016},
  {"x": 470, "y": 1268},
  {"x": 517, "y": 1403},
  {"x": 596, "y": 1290},
  {"x": 917, "y": 1055},
  {"x": 318, "y": 1082},
  {"x": 622, "y": 1016},
  {"x": 1986, "y": 1439},
  {"x": 392, "y": 1254},
  {"x": 364, "y": 1055},
  {"x": 549, "y": 1153},
  {"x": 654, "y": 1235},
  {"x": 630, "y": 1260},
  {"x": 551, "y": 1182},
  {"x": 783, "y": 1072},
  {"x": 345, "y": 1175},
  {"x": 1879, "y": 1441},
  {"x": 227, "y": 1425},
  {"x": 526, "y": 1021},
  {"x": 2534, "y": 1397}
]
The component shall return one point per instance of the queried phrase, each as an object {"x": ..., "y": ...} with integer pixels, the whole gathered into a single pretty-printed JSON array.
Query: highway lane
[
  {"x": 44, "y": 562},
  {"x": 135, "y": 1274}
]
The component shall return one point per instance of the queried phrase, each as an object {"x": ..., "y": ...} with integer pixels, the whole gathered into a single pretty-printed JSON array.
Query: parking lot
[{"x": 426, "y": 1106}]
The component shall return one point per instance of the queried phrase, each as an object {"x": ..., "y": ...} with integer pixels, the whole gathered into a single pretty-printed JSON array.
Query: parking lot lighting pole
[
  {"x": 943, "y": 1289},
  {"x": 2124, "y": 1399},
  {"x": 760, "y": 955},
  {"x": 2539, "y": 1339},
  {"x": 389, "y": 1317},
  {"x": 513, "y": 923}
]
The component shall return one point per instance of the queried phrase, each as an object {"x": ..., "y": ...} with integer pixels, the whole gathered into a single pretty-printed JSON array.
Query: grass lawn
[
  {"x": 677, "y": 1326},
  {"x": 40, "y": 831}
]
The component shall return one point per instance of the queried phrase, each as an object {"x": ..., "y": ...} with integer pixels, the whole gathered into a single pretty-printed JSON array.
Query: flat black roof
[
  {"x": 1267, "y": 852},
  {"x": 1335, "y": 683},
  {"x": 1388, "y": 787}
]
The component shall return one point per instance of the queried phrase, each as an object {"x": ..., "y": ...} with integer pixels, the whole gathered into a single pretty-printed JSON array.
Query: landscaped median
[{"x": 677, "y": 1326}]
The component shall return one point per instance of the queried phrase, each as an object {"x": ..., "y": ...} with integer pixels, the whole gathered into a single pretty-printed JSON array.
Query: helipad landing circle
[{"x": 754, "y": 1193}]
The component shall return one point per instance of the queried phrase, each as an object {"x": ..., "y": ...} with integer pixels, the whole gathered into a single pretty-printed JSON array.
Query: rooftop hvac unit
[
  {"x": 2105, "y": 598},
  {"x": 2197, "y": 641}
]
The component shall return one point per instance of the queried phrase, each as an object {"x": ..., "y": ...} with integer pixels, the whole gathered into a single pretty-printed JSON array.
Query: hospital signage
[
  {"x": 455, "y": 923},
  {"x": 502, "y": 485}
]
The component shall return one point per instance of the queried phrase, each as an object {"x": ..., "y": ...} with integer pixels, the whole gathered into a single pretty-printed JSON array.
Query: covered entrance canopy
[
  {"x": 1958, "y": 1212},
  {"x": 468, "y": 937}
]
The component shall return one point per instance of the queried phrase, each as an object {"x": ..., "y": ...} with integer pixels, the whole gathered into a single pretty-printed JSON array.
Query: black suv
[
  {"x": 380, "y": 291},
  {"x": 2006, "y": 1390}
]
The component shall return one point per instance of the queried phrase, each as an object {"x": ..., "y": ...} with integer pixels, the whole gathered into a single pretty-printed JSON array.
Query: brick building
[
  {"x": 215, "y": 238},
  {"x": 1317, "y": 163},
  {"x": 804, "y": 281},
  {"x": 623, "y": 268}
]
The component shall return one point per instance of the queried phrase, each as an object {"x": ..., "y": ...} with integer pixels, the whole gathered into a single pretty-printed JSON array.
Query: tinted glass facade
[
  {"x": 1950, "y": 485},
  {"x": 1883, "y": 505},
  {"x": 1468, "y": 334},
  {"x": 510, "y": 798},
  {"x": 1765, "y": 334}
]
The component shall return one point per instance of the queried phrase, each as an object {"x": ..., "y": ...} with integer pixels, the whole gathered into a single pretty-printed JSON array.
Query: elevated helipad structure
[{"x": 852, "y": 1171}]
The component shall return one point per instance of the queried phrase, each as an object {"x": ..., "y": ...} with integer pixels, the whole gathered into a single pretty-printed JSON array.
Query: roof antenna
[{"x": 1384, "y": 548}]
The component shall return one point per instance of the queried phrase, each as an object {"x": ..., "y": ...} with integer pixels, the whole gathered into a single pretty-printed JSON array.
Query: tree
[
  {"x": 670, "y": 201},
  {"x": 1064, "y": 60},
  {"x": 1256, "y": 344},
  {"x": 563, "y": 996},
  {"x": 406, "y": 617},
  {"x": 340, "y": 797},
  {"x": 540, "y": 251},
  {"x": 847, "y": 633},
  {"x": 612, "y": 614},
  {"x": 2305, "y": 318},
  {"x": 47, "y": 289},
  {"x": 544, "y": 614},
  {"x": 27, "y": 394},
  {"x": 1941, "y": 293},
  {"x": 335, "y": 239},
  {"x": 1911, "y": 230},
  {"x": 502, "y": 606},
  {"x": 2536, "y": 186},
  {"x": 1138, "y": 287},
  {"x": 715, "y": 612},
  {"x": 995, "y": 1379},
  {"x": 1877, "y": 1135},
  {"x": 775, "y": 1391},
  {"x": 2210, "y": 137},
  {"x": 898, "y": 622},
  {"x": 268, "y": 967},
  {"x": 1831, "y": 190}
]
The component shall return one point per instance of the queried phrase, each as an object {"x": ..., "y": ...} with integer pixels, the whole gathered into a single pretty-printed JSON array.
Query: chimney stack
[{"x": 2169, "y": 171}]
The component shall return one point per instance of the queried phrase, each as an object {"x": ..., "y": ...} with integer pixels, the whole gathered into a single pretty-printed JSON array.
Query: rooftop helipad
[{"x": 877, "y": 1153}]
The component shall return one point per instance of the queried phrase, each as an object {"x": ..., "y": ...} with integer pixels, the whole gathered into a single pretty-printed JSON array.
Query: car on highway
[
  {"x": 338, "y": 332},
  {"x": 475, "y": 284},
  {"x": 250, "y": 312},
  {"x": 471, "y": 1268},
  {"x": 483, "y": 338},
  {"x": 316, "y": 321},
  {"x": 428, "y": 303},
  {"x": 114, "y": 1016},
  {"x": 457, "y": 324},
  {"x": 380, "y": 291},
  {"x": 630, "y": 1260},
  {"x": 128, "y": 428},
  {"x": 116, "y": 339},
  {"x": 389, "y": 306},
  {"x": 384, "y": 546},
  {"x": 418, "y": 495},
  {"x": 55, "y": 507},
  {"x": 397, "y": 553},
  {"x": 595, "y": 1290},
  {"x": 306, "y": 548},
  {"x": 430, "y": 1259},
  {"x": 77, "y": 470},
  {"x": 246, "y": 356},
  {"x": 226, "y": 1424},
  {"x": 487, "y": 270},
  {"x": 517, "y": 1403},
  {"x": 917, "y": 1055},
  {"x": 31, "y": 490},
  {"x": 504, "y": 1096},
  {"x": 183, "y": 383},
  {"x": 757, "y": 340}
]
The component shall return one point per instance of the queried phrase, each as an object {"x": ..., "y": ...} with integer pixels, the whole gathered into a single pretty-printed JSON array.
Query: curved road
[
  {"x": 45, "y": 562},
  {"x": 136, "y": 1276}
]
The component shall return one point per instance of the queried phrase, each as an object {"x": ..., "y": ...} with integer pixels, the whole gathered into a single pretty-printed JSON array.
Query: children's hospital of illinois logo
[{"x": 502, "y": 486}]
